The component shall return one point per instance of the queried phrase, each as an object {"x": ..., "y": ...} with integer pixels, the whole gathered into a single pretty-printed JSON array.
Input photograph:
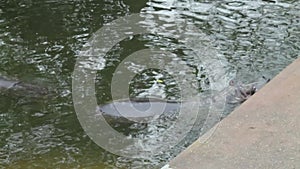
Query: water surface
[{"x": 40, "y": 41}]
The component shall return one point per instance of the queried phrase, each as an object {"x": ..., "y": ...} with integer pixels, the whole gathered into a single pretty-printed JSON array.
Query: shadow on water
[{"x": 39, "y": 43}]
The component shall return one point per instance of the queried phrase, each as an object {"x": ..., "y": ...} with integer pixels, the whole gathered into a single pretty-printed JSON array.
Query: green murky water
[{"x": 40, "y": 41}]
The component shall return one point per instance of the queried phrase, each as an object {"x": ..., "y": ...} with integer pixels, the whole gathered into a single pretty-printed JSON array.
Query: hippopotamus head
[{"x": 241, "y": 92}]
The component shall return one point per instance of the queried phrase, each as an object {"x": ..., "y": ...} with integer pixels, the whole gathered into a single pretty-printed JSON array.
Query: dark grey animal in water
[
  {"x": 22, "y": 88},
  {"x": 241, "y": 92},
  {"x": 137, "y": 108},
  {"x": 7, "y": 84}
]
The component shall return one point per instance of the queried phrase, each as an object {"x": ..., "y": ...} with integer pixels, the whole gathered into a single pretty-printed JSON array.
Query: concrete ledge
[{"x": 264, "y": 132}]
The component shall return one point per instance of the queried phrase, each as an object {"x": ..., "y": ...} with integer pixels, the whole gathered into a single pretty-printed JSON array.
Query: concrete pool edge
[{"x": 262, "y": 133}]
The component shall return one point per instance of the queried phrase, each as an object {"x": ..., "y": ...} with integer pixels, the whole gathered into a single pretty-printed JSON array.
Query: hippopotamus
[
  {"x": 15, "y": 85},
  {"x": 136, "y": 109},
  {"x": 141, "y": 109},
  {"x": 239, "y": 93},
  {"x": 7, "y": 84}
]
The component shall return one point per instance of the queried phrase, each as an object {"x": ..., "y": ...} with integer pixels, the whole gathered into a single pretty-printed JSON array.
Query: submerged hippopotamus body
[
  {"x": 144, "y": 109},
  {"x": 7, "y": 84},
  {"x": 18, "y": 86},
  {"x": 138, "y": 109}
]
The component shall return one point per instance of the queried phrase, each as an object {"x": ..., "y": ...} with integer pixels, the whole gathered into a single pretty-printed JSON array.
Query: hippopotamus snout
[{"x": 244, "y": 91}]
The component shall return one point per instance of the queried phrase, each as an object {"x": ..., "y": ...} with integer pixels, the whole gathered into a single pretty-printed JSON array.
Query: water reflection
[
  {"x": 253, "y": 36},
  {"x": 39, "y": 42}
]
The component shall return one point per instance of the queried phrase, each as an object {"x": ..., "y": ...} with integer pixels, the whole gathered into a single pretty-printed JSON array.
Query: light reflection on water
[{"x": 39, "y": 42}]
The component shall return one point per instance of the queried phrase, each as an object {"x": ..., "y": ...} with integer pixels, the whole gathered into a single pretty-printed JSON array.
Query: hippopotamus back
[
  {"x": 7, "y": 84},
  {"x": 21, "y": 88},
  {"x": 138, "y": 109},
  {"x": 143, "y": 109}
]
